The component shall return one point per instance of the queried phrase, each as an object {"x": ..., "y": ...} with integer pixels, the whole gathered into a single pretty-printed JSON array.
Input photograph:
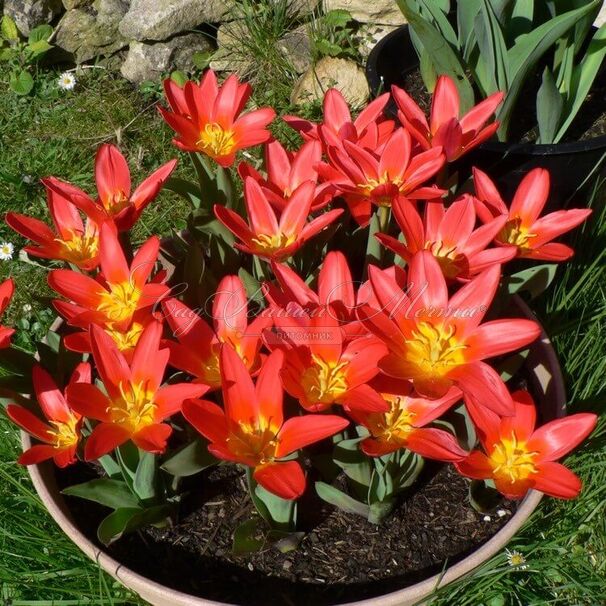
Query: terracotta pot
[{"x": 548, "y": 388}]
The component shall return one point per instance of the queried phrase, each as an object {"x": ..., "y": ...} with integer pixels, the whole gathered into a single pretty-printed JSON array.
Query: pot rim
[
  {"x": 547, "y": 372},
  {"x": 532, "y": 149}
]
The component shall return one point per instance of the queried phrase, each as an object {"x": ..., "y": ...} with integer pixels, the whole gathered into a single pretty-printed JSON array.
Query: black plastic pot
[{"x": 573, "y": 166}]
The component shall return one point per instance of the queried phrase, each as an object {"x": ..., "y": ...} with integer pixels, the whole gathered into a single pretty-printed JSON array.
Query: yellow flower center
[
  {"x": 79, "y": 247},
  {"x": 511, "y": 460},
  {"x": 215, "y": 141},
  {"x": 394, "y": 425},
  {"x": 121, "y": 302},
  {"x": 116, "y": 202},
  {"x": 136, "y": 408},
  {"x": 515, "y": 233},
  {"x": 254, "y": 441},
  {"x": 324, "y": 382},
  {"x": 125, "y": 341},
  {"x": 385, "y": 198},
  {"x": 270, "y": 243},
  {"x": 64, "y": 434},
  {"x": 451, "y": 261},
  {"x": 434, "y": 350}
]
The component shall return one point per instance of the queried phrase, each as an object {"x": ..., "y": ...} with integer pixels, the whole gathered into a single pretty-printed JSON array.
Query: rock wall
[{"x": 150, "y": 38}]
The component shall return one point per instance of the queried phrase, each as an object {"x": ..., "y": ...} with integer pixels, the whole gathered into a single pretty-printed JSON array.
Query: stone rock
[
  {"x": 367, "y": 36},
  {"x": 330, "y": 72},
  {"x": 28, "y": 14},
  {"x": 69, "y": 4},
  {"x": 296, "y": 46},
  {"x": 86, "y": 34},
  {"x": 160, "y": 19},
  {"x": 226, "y": 60},
  {"x": 150, "y": 61},
  {"x": 231, "y": 33},
  {"x": 301, "y": 8},
  {"x": 384, "y": 12}
]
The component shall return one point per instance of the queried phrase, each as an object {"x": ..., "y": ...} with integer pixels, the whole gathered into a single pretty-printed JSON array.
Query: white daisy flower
[
  {"x": 487, "y": 518},
  {"x": 6, "y": 251},
  {"x": 27, "y": 308},
  {"x": 516, "y": 559},
  {"x": 67, "y": 81}
]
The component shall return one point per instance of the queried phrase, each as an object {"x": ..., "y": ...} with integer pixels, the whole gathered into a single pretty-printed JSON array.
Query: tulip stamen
[
  {"x": 65, "y": 433},
  {"x": 135, "y": 409},
  {"x": 269, "y": 243},
  {"x": 515, "y": 233},
  {"x": 121, "y": 302},
  {"x": 79, "y": 247},
  {"x": 435, "y": 350},
  {"x": 215, "y": 141},
  {"x": 324, "y": 381},
  {"x": 125, "y": 341},
  {"x": 512, "y": 460}
]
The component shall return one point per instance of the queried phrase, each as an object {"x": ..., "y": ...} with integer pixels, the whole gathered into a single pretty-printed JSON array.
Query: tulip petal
[
  {"x": 558, "y": 437},
  {"x": 299, "y": 432},
  {"x": 286, "y": 480},
  {"x": 435, "y": 444},
  {"x": 103, "y": 439},
  {"x": 207, "y": 418},
  {"x": 476, "y": 465},
  {"x": 497, "y": 337},
  {"x": 37, "y": 454},
  {"x": 170, "y": 398},
  {"x": 531, "y": 196},
  {"x": 89, "y": 401},
  {"x": 238, "y": 390},
  {"x": 445, "y": 103},
  {"x": 112, "y": 174},
  {"x": 153, "y": 438},
  {"x": 558, "y": 481},
  {"x": 28, "y": 421},
  {"x": 49, "y": 396}
]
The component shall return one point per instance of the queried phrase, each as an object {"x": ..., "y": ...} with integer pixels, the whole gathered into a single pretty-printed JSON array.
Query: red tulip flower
[
  {"x": 207, "y": 117},
  {"x": 60, "y": 435},
  {"x": 530, "y": 235},
  {"x": 335, "y": 293},
  {"x": 455, "y": 135},
  {"x": 115, "y": 201},
  {"x": 320, "y": 369},
  {"x": 113, "y": 299},
  {"x": 7, "y": 289},
  {"x": 286, "y": 171},
  {"x": 404, "y": 424},
  {"x": 71, "y": 240},
  {"x": 370, "y": 130},
  {"x": 197, "y": 350},
  {"x": 135, "y": 405},
  {"x": 366, "y": 178},
  {"x": 252, "y": 430},
  {"x": 449, "y": 235},
  {"x": 438, "y": 342},
  {"x": 519, "y": 457},
  {"x": 268, "y": 237}
]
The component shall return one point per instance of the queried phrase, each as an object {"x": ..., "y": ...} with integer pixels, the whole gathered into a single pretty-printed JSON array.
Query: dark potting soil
[
  {"x": 342, "y": 557},
  {"x": 589, "y": 122}
]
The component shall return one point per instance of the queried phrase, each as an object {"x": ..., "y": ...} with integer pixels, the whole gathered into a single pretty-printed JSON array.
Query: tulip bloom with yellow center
[
  {"x": 449, "y": 235},
  {"x": 252, "y": 430},
  {"x": 437, "y": 342},
  {"x": 124, "y": 290},
  {"x": 525, "y": 231},
  {"x": 367, "y": 178},
  {"x": 208, "y": 118},
  {"x": 334, "y": 294},
  {"x": 519, "y": 457},
  {"x": 287, "y": 171},
  {"x": 136, "y": 404},
  {"x": 61, "y": 434},
  {"x": 196, "y": 350},
  {"x": 404, "y": 424},
  {"x": 322, "y": 370},
  {"x": 455, "y": 135},
  {"x": 370, "y": 129},
  {"x": 72, "y": 240},
  {"x": 265, "y": 235}
]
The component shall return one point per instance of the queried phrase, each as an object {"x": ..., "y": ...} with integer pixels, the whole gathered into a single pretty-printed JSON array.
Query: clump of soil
[{"x": 342, "y": 557}]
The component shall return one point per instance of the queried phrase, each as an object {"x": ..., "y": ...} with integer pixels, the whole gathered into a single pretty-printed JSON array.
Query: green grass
[{"x": 564, "y": 543}]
